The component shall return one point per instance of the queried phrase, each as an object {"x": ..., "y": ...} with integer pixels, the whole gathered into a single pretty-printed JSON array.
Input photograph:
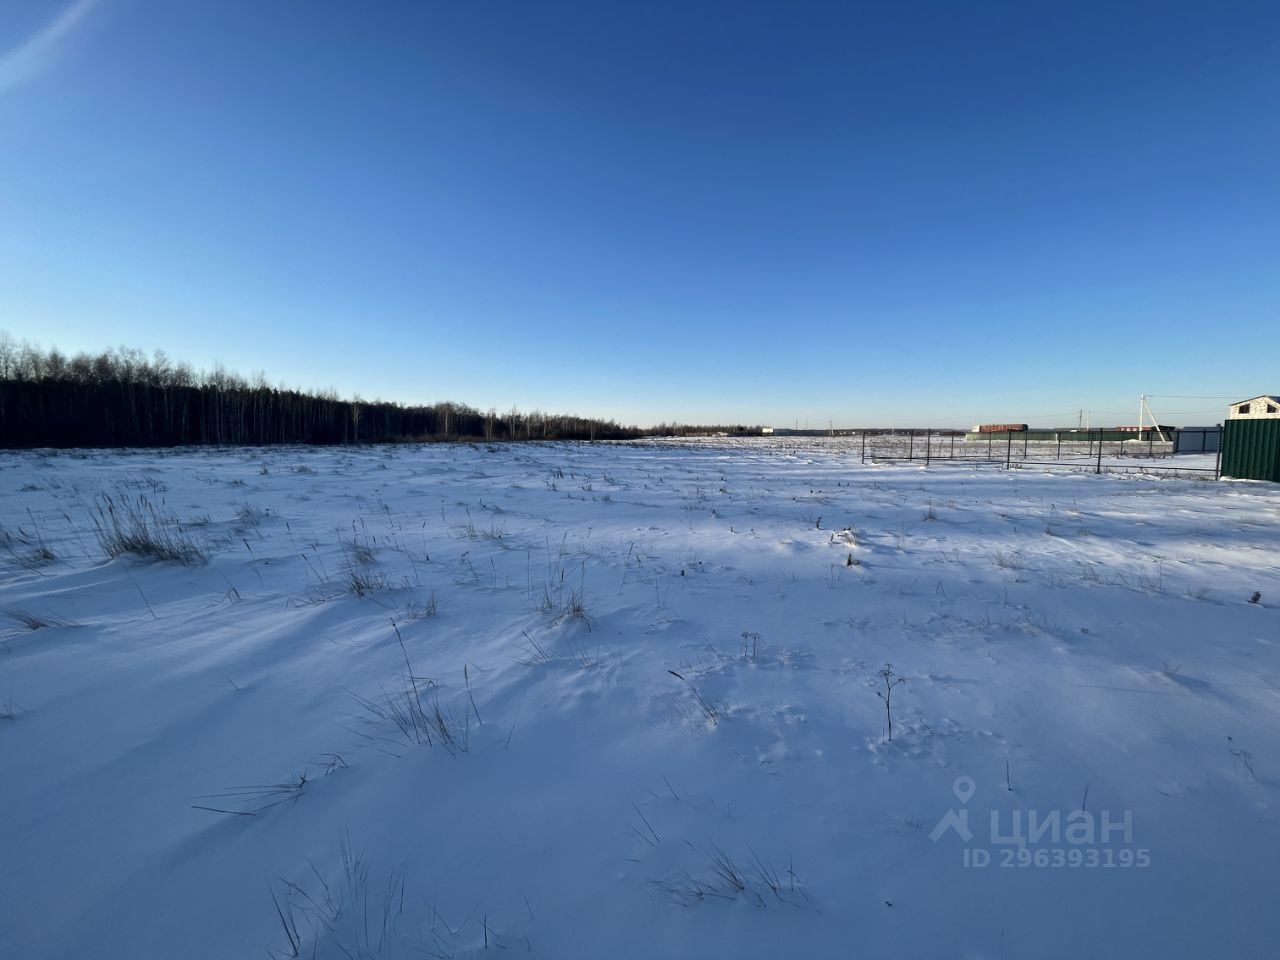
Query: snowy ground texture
[{"x": 621, "y": 701}]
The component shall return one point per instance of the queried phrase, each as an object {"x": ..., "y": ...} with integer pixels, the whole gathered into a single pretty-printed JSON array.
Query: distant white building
[
  {"x": 1259, "y": 408},
  {"x": 766, "y": 429}
]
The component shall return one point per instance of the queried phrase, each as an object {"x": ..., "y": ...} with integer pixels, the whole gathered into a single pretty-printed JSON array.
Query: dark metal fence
[
  {"x": 1084, "y": 450},
  {"x": 1197, "y": 440}
]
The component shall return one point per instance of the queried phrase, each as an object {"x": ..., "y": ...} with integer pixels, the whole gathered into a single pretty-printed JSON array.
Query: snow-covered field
[{"x": 622, "y": 701}]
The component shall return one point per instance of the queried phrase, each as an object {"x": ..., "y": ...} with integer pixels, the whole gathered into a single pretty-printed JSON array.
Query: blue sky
[{"x": 930, "y": 213}]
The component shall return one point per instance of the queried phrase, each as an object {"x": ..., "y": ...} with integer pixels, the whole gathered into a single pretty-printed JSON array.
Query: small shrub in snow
[
  {"x": 418, "y": 723},
  {"x": 250, "y": 516},
  {"x": 361, "y": 581},
  {"x": 252, "y": 800},
  {"x": 1241, "y": 757},
  {"x": 1008, "y": 561},
  {"x": 709, "y": 710},
  {"x": 359, "y": 573},
  {"x": 534, "y": 651},
  {"x": 757, "y": 881},
  {"x": 342, "y": 917},
  {"x": 132, "y": 525},
  {"x": 566, "y": 602},
  {"x": 1039, "y": 624},
  {"x": 360, "y": 551},
  {"x": 891, "y": 680},
  {"x": 417, "y": 609},
  {"x": 34, "y": 621},
  {"x": 27, "y": 549},
  {"x": 471, "y": 532}
]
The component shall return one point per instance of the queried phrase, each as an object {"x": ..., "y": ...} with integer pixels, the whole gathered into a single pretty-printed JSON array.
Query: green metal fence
[{"x": 1251, "y": 449}]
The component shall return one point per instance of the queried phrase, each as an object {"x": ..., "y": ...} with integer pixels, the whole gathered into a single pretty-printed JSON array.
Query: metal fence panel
[
  {"x": 1251, "y": 449},
  {"x": 1197, "y": 440},
  {"x": 1094, "y": 450}
]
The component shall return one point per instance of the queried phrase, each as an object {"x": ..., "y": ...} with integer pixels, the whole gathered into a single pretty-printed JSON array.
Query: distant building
[
  {"x": 1259, "y": 408},
  {"x": 766, "y": 429}
]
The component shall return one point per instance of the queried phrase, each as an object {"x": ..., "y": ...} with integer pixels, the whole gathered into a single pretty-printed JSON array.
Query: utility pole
[{"x": 1155, "y": 424}]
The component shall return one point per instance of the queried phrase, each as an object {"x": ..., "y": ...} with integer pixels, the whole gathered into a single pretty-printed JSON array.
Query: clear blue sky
[{"x": 740, "y": 212}]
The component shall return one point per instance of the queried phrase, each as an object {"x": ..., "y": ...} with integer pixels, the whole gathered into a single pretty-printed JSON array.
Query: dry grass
[
  {"x": 35, "y": 621},
  {"x": 132, "y": 525}
]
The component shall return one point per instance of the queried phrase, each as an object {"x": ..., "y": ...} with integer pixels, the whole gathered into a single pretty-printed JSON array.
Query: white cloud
[{"x": 36, "y": 52}]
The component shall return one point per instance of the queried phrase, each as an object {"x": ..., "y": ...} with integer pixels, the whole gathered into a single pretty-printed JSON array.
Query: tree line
[
  {"x": 707, "y": 430},
  {"x": 124, "y": 398}
]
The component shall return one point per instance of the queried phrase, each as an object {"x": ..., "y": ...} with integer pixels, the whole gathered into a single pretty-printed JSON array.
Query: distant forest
[{"x": 123, "y": 398}]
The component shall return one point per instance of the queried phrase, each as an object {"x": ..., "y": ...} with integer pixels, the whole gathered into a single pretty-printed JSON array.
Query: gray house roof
[{"x": 1265, "y": 396}]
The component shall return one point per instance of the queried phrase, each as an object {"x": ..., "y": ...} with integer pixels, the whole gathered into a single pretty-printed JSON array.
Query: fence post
[
  {"x": 953, "y": 446},
  {"x": 928, "y": 446},
  {"x": 1217, "y": 461},
  {"x": 911, "y": 438},
  {"x": 1099, "y": 470},
  {"x": 1026, "y": 438},
  {"x": 864, "y": 446},
  {"x": 1008, "y": 450},
  {"x": 1059, "y": 455}
]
